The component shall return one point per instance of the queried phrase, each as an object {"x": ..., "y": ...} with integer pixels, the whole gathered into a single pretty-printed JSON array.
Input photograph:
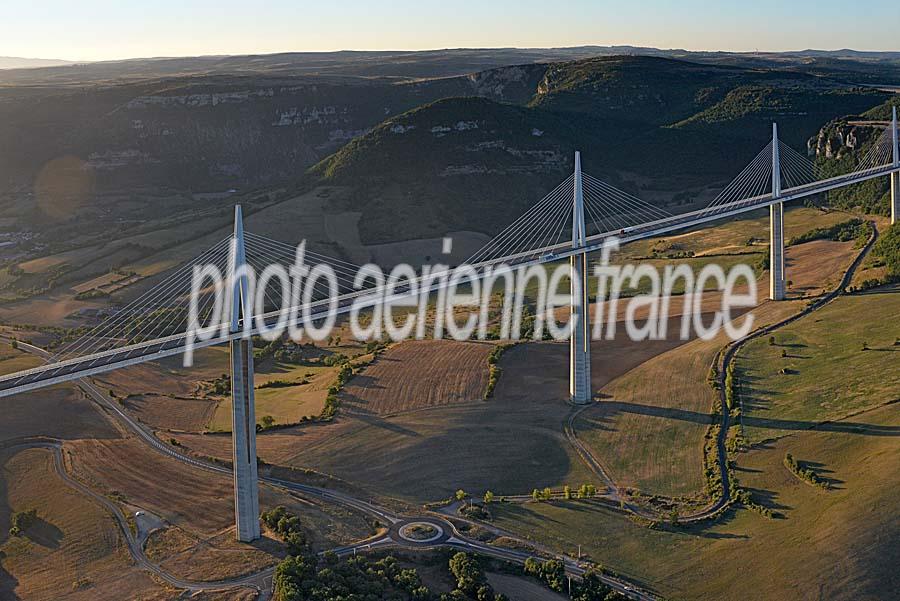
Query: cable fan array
[
  {"x": 547, "y": 225},
  {"x": 163, "y": 311},
  {"x": 797, "y": 171},
  {"x": 159, "y": 312}
]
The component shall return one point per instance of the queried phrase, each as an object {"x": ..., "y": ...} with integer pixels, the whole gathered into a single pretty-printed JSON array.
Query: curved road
[
  {"x": 731, "y": 351},
  {"x": 261, "y": 581}
]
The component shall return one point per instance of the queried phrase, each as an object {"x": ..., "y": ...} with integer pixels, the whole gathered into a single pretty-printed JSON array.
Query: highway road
[{"x": 261, "y": 581}]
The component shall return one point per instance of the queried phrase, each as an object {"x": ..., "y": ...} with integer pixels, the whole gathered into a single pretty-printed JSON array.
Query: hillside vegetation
[{"x": 668, "y": 131}]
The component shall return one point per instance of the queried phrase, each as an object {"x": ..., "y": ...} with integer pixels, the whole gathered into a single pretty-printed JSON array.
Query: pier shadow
[{"x": 611, "y": 408}]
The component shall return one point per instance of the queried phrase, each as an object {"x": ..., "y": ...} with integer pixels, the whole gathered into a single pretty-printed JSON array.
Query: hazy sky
[{"x": 109, "y": 29}]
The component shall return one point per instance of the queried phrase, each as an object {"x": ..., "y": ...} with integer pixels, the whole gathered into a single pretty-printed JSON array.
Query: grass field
[
  {"x": 521, "y": 589},
  {"x": 840, "y": 544},
  {"x": 74, "y": 541},
  {"x": 817, "y": 369},
  {"x": 648, "y": 431},
  {"x": 648, "y": 428},
  {"x": 285, "y": 404}
]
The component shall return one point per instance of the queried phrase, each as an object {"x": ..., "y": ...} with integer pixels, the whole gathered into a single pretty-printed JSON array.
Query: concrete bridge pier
[
  {"x": 776, "y": 251},
  {"x": 895, "y": 176},
  {"x": 776, "y": 226},
  {"x": 243, "y": 413},
  {"x": 580, "y": 338}
]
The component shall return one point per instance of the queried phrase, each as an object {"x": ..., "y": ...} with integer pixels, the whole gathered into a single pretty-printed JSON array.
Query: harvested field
[
  {"x": 285, "y": 404},
  {"x": 420, "y": 373},
  {"x": 509, "y": 444},
  {"x": 199, "y": 502},
  {"x": 177, "y": 492},
  {"x": 171, "y": 413},
  {"x": 74, "y": 541},
  {"x": 74, "y": 417},
  {"x": 210, "y": 558},
  {"x": 816, "y": 267}
]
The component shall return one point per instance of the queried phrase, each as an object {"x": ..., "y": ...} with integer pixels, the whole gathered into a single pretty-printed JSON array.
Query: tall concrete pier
[
  {"x": 580, "y": 339},
  {"x": 895, "y": 176},
  {"x": 243, "y": 414},
  {"x": 776, "y": 226}
]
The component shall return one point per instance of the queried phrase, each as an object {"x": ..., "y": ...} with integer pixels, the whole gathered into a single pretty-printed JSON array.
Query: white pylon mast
[
  {"x": 243, "y": 410},
  {"x": 580, "y": 337}
]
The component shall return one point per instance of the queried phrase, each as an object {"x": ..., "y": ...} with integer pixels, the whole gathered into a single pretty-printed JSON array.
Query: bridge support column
[
  {"x": 243, "y": 413},
  {"x": 895, "y": 176},
  {"x": 776, "y": 226},
  {"x": 580, "y": 337},
  {"x": 776, "y": 251},
  {"x": 895, "y": 197}
]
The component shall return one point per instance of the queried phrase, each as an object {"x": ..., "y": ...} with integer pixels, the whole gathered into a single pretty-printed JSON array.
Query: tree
[
  {"x": 267, "y": 421},
  {"x": 488, "y": 497},
  {"x": 547, "y": 494},
  {"x": 15, "y": 343},
  {"x": 567, "y": 492},
  {"x": 468, "y": 573},
  {"x": 535, "y": 495},
  {"x": 461, "y": 495}
]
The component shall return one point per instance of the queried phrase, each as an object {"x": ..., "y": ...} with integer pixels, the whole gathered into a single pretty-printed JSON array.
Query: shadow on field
[
  {"x": 612, "y": 407},
  {"x": 8, "y": 582},
  {"x": 43, "y": 533},
  {"x": 822, "y": 472}
]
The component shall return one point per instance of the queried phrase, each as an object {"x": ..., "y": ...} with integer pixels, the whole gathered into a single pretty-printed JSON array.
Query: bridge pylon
[
  {"x": 243, "y": 413},
  {"x": 580, "y": 337},
  {"x": 895, "y": 175},
  {"x": 776, "y": 226}
]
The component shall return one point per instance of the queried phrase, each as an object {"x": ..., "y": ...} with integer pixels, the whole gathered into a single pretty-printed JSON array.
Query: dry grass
[
  {"x": 59, "y": 411},
  {"x": 217, "y": 557},
  {"x": 75, "y": 539},
  {"x": 199, "y": 502},
  {"x": 171, "y": 413},
  {"x": 521, "y": 589}
]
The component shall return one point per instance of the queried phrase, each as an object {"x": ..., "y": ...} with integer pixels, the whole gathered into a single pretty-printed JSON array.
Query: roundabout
[{"x": 421, "y": 531}]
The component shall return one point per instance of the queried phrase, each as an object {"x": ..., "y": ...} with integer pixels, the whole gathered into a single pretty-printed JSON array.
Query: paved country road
[
  {"x": 262, "y": 581},
  {"x": 728, "y": 355}
]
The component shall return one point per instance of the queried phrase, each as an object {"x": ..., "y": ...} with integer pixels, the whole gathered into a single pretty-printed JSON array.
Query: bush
[
  {"x": 21, "y": 521},
  {"x": 853, "y": 229},
  {"x": 804, "y": 473}
]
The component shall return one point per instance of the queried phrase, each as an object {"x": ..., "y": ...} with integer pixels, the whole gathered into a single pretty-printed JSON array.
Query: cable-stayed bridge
[{"x": 575, "y": 218}]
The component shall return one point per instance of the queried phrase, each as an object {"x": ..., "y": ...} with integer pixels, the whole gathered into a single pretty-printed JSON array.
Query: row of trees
[
  {"x": 553, "y": 573},
  {"x": 585, "y": 491},
  {"x": 302, "y": 578}
]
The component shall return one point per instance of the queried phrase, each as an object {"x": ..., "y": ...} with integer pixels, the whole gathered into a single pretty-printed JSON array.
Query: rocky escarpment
[{"x": 840, "y": 138}]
